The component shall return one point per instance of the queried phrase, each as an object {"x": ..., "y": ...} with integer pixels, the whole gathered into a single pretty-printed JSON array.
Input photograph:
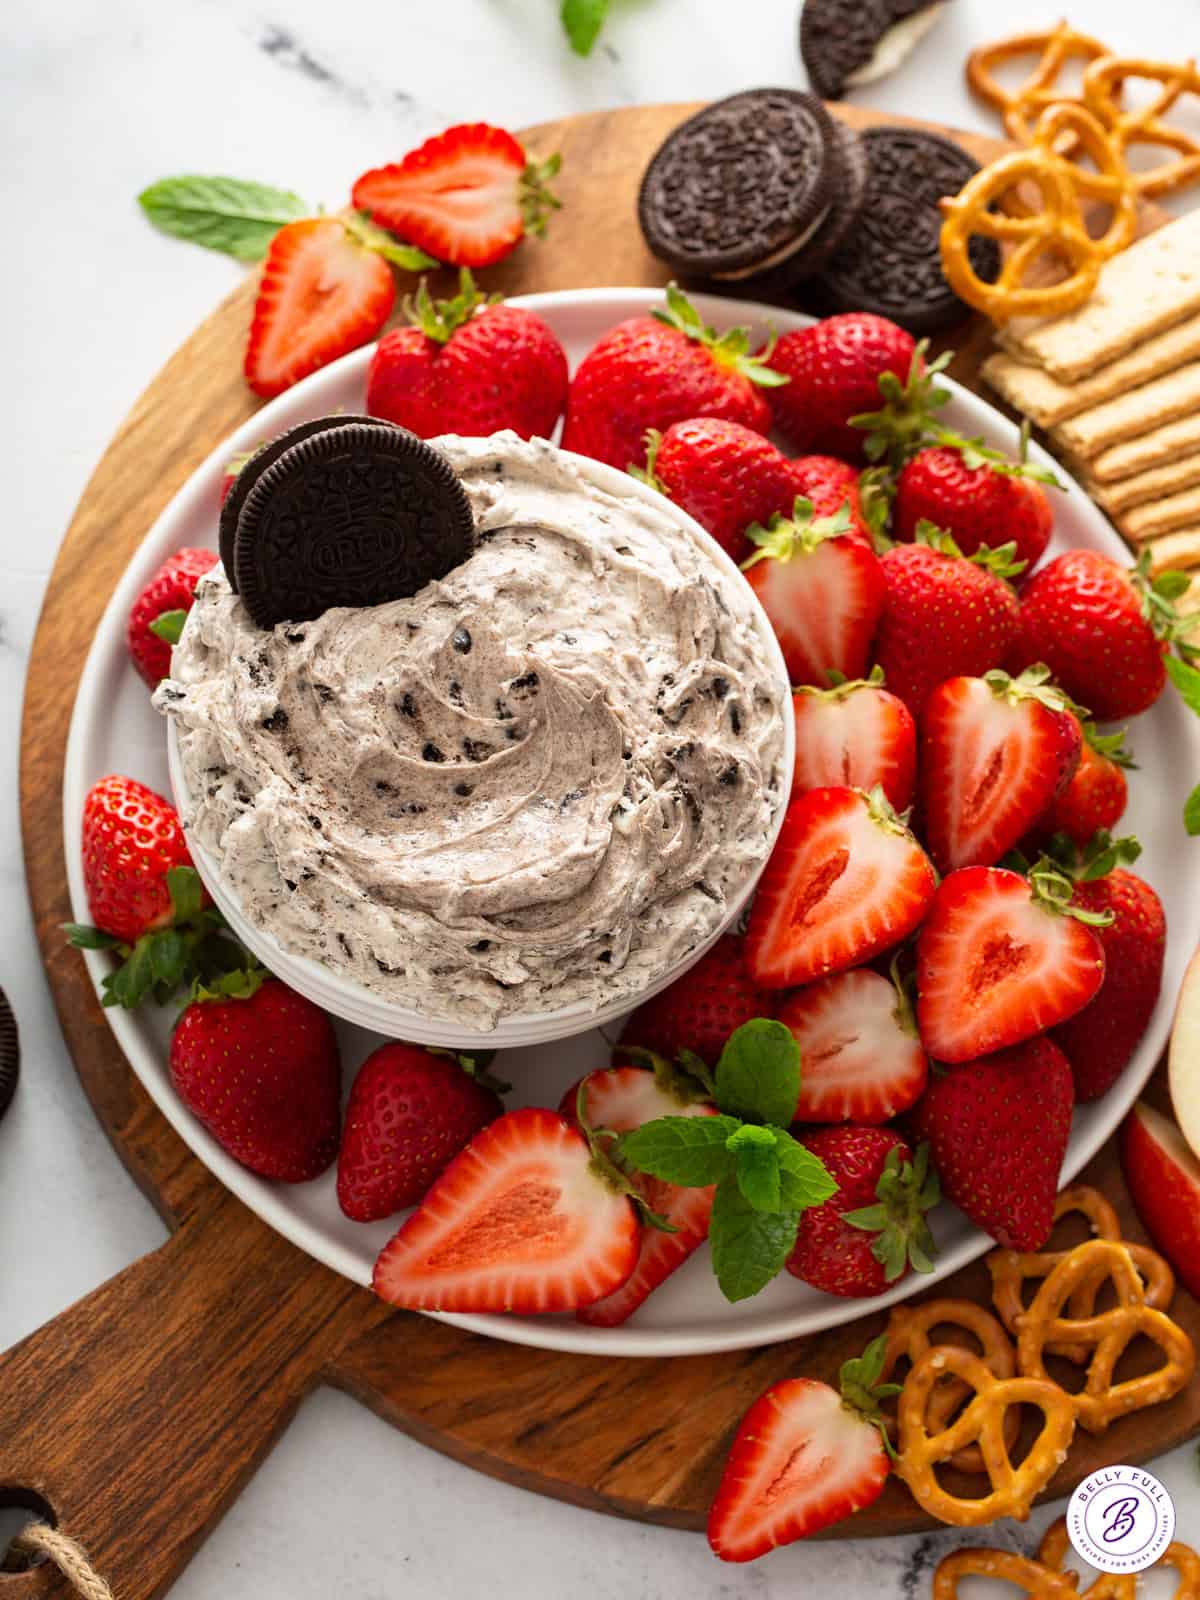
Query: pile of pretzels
[
  {"x": 1075, "y": 150},
  {"x": 961, "y": 1409}
]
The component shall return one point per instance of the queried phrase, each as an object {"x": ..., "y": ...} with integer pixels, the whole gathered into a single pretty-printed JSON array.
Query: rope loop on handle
[{"x": 40, "y": 1539}]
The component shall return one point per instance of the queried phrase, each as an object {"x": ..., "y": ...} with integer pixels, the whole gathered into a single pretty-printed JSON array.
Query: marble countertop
[{"x": 97, "y": 100}]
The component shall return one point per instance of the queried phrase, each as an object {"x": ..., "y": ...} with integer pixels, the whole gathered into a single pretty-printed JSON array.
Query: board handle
[{"x": 138, "y": 1414}]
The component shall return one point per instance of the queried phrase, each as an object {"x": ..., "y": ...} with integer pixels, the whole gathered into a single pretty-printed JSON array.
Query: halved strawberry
[
  {"x": 861, "y": 1055},
  {"x": 995, "y": 751},
  {"x": 804, "y": 1456},
  {"x": 466, "y": 196},
  {"x": 856, "y": 734},
  {"x": 519, "y": 1221},
  {"x": 322, "y": 293},
  {"x": 823, "y": 589},
  {"x": 846, "y": 881},
  {"x": 623, "y": 1098},
  {"x": 1000, "y": 958}
]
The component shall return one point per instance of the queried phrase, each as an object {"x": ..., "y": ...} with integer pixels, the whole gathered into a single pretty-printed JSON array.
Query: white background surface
[{"x": 96, "y": 100}]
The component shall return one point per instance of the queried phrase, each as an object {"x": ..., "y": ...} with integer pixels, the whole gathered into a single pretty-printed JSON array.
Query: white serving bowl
[{"x": 366, "y": 1009}]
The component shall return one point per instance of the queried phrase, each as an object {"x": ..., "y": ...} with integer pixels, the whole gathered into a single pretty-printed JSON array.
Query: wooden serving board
[{"x": 138, "y": 1414}]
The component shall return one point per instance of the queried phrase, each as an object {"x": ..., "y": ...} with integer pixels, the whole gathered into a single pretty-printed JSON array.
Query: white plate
[{"x": 114, "y": 730}]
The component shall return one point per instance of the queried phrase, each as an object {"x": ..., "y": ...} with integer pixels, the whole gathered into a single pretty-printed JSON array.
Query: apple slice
[
  {"x": 1185, "y": 1055},
  {"x": 1164, "y": 1179}
]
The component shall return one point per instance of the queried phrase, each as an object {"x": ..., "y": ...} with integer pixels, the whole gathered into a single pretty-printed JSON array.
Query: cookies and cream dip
[{"x": 540, "y": 780}]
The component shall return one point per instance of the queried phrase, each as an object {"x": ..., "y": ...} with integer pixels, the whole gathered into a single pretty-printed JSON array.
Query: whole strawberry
[
  {"x": 997, "y": 1131},
  {"x": 649, "y": 372},
  {"x": 131, "y": 840},
  {"x": 1102, "y": 629},
  {"x": 701, "y": 1008},
  {"x": 867, "y": 1235},
  {"x": 830, "y": 484},
  {"x": 978, "y": 495},
  {"x": 1099, "y": 1041},
  {"x": 725, "y": 475},
  {"x": 945, "y": 615},
  {"x": 409, "y": 1113},
  {"x": 835, "y": 367},
  {"x": 1094, "y": 801},
  {"x": 157, "y": 615},
  {"x": 468, "y": 366},
  {"x": 261, "y": 1071}
]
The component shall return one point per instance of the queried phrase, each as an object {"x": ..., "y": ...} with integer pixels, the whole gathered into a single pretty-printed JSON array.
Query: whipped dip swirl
[{"x": 538, "y": 781}]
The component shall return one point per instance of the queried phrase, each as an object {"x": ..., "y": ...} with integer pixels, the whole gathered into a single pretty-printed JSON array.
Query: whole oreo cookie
[
  {"x": 851, "y": 171},
  {"x": 252, "y": 470},
  {"x": 890, "y": 262},
  {"x": 10, "y": 1054},
  {"x": 352, "y": 515},
  {"x": 842, "y": 42},
  {"x": 741, "y": 186}
]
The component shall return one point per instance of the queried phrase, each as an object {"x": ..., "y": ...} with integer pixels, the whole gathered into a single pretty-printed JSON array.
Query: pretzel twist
[
  {"x": 1108, "y": 1335},
  {"x": 1021, "y": 107},
  {"x": 1120, "y": 1585},
  {"x": 1010, "y": 1269},
  {"x": 908, "y": 1340},
  {"x": 1012, "y": 1489},
  {"x": 1031, "y": 1577},
  {"x": 992, "y": 203},
  {"x": 1101, "y": 94}
]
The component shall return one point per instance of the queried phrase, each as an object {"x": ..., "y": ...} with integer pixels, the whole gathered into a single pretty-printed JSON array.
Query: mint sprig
[
  {"x": 764, "y": 1177},
  {"x": 582, "y": 21},
  {"x": 233, "y": 215}
]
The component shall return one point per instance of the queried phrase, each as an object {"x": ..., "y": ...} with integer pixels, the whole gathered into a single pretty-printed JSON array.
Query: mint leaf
[
  {"x": 582, "y": 20},
  {"x": 758, "y": 1075},
  {"x": 1187, "y": 680},
  {"x": 748, "y": 1247},
  {"x": 804, "y": 1179},
  {"x": 1191, "y": 812},
  {"x": 757, "y": 1166},
  {"x": 690, "y": 1151},
  {"x": 229, "y": 214},
  {"x": 168, "y": 625}
]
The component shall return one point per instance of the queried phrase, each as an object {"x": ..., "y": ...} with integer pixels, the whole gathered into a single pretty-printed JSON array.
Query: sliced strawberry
[
  {"x": 519, "y": 1221},
  {"x": 803, "y": 1457},
  {"x": 1000, "y": 958},
  {"x": 322, "y": 293},
  {"x": 862, "y": 1058},
  {"x": 846, "y": 881},
  {"x": 823, "y": 589},
  {"x": 623, "y": 1098},
  {"x": 857, "y": 735},
  {"x": 995, "y": 751},
  {"x": 466, "y": 196}
]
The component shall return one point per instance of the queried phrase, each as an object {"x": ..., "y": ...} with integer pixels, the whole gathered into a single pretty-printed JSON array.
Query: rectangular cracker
[
  {"x": 1153, "y": 484},
  {"x": 1044, "y": 400},
  {"x": 1180, "y": 550},
  {"x": 1148, "y": 288},
  {"x": 1151, "y": 449},
  {"x": 1160, "y": 516},
  {"x": 1173, "y": 395}
]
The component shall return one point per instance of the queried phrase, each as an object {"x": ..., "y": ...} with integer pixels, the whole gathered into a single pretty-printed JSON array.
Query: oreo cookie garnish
[
  {"x": 851, "y": 171},
  {"x": 741, "y": 185},
  {"x": 352, "y": 515},
  {"x": 890, "y": 262},
  {"x": 252, "y": 470},
  {"x": 847, "y": 43},
  {"x": 10, "y": 1053}
]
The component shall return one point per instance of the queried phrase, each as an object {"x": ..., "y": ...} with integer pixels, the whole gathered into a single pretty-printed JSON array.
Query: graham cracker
[
  {"x": 1153, "y": 484},
  {"x": 1144, "y": 290},
  {"x": 1179, "y": 550},
  {"x": 1140, "y": 410},
  {"x": 1160, "y": 516},
  {"x": 1152, "y": 449},
  {"x": 1044, "y": 400}
]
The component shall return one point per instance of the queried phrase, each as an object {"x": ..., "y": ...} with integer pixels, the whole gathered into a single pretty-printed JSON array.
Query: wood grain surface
[{"x": 140, "y": 1412}]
